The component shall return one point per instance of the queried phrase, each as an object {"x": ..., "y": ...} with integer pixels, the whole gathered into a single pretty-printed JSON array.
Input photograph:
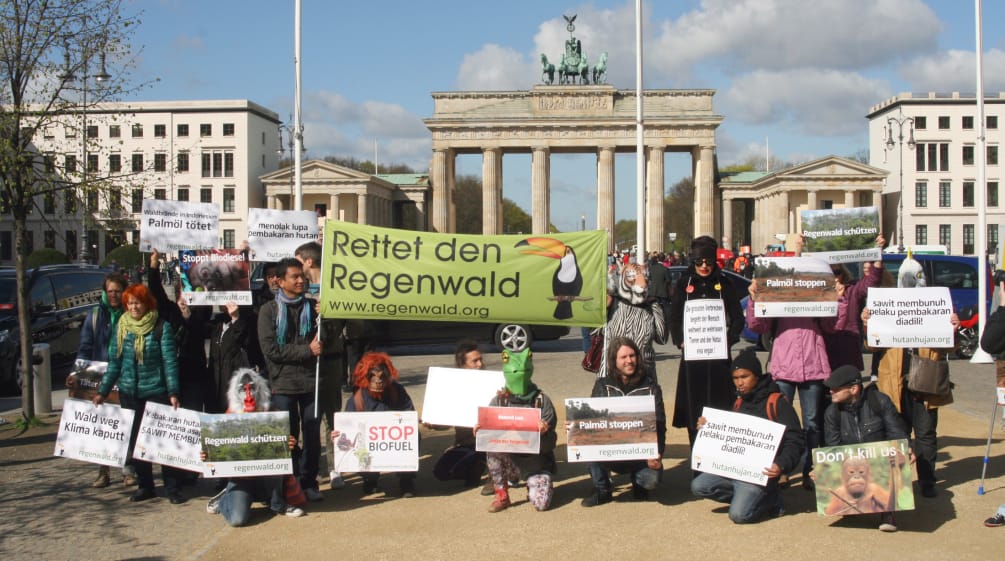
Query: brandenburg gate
[{"x": 573, "y": 118}]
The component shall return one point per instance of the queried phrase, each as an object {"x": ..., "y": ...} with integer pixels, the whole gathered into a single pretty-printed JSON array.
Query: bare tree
[{"x": 43, "y": 45}]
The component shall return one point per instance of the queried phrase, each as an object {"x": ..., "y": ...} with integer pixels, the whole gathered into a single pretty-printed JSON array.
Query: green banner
[{"x": 385, "y": 273}]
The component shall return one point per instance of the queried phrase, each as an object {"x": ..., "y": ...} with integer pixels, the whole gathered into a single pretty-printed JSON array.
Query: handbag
[
  {"x": 928, "y": 376},
  {"x": 595, "y": 356}
]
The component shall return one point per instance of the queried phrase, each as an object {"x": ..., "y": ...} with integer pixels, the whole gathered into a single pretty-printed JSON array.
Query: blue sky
[{"x": 798, "y": 74}]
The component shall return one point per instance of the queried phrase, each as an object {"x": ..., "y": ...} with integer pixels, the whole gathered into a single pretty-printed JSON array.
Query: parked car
[
  {"x": 958, "y": 273},
  {"x": 60, "y": 297},
  {"x": 368, "y": 334}
]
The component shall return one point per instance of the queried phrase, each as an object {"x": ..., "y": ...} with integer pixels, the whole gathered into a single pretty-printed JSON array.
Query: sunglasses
[{"x": 702, "y": 262}]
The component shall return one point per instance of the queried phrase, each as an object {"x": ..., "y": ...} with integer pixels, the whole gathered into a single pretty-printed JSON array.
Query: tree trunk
[{"x": 24, "y": 319}]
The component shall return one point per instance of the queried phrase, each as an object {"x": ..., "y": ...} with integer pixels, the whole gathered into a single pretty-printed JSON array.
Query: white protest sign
[
  {"x": 174, "y": 225},
  {"x": 453, "y": 395},
  {"x": 169, "y": 437},
  {"x": 96, "y": 434},
  {"x": 842, "y": 235},
  {"x": 376, "y": 441},
  {"x": 736, "y": 445},
  {"x": 794, "y": 287},
  {"x": 1001, "y": 396},
  {"x": 908, "y": 318},
  {"x": 211, "y": 277},
  {"x": 276, "y": 234},
  {"x": 246, "y": 444},
  {"x": 705, "y": 330},
  {"x": 610, "y": 429}
]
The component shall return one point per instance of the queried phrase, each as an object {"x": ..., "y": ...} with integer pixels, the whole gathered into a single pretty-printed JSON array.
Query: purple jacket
[
  {"x": 798, "y": 353},
  {"x": 844, "y": 346}
]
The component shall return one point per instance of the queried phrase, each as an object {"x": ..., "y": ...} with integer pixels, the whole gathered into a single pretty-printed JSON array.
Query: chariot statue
[{"x": 573, "y": 65}]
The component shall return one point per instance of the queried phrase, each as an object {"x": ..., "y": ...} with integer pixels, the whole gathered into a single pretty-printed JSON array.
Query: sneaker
[
  {"x": 293, "y": 511},
  {"x": 887, "y": 522},
  {"x": 995, "y": 521},
  {"x": 597, "y": 498},
  {"x": 313, "y": 494},
  {"x": 142, "y": 494},
  {"x": 213, "y": 506},
  {"x": 337, "y": 482},
  {"x": 501, "y": 502},
  {"x": 488, "y": 489},
  {"x": 407, "y": 489},
  {"x": 176, "y": 497}
]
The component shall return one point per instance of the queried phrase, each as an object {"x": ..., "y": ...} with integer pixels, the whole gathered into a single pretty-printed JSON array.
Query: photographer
[{"x": 993, "y": 342}]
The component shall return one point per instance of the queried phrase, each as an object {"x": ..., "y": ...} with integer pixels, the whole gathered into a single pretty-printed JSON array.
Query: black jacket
[
  {"x": 611, "y": 386},
  {"x": 993, "y": 340},
  {"x": 705, "y": 287},
  {"x": 852, "y": 423},
  {"x": 755, "y": 403}
]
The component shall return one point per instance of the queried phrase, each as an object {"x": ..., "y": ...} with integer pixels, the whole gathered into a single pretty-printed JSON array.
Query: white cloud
[
  {"x": 955, "y": 70},
  {"x": 809, "y": 101},
  {"x": 496, "y": 68}
]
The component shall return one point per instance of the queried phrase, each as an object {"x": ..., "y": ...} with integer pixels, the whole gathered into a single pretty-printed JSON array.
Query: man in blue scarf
[{"x": 287, "y": 333}]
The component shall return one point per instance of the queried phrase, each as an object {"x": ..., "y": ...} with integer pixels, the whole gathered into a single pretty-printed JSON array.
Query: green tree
[
  {"x": 42, "y": 44},
  {"x": 678, "y": 212}
]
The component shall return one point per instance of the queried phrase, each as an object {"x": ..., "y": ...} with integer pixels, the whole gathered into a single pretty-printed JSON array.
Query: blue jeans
[
  {"x": 640, "y": 474},
  {"x": 235, "y": 504},
  {"x": 747, "y": 502},
  {"x": 811, "y": 403},
  {"x": 306, "y": 426}
]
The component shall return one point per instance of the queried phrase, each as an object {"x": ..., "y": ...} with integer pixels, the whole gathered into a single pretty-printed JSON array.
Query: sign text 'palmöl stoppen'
[{"x": 383, "y": 247}]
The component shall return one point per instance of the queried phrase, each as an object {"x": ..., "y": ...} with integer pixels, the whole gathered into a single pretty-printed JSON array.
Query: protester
[
  {"x": 378, "y": 389},
  {"x": 993, "y": 342},
  {"x": 270, "y": 285},
  {"x": 798, "y": 363},
  {"x": 703, "y": 383},
  {"x": 860, "y": 414},
  {"x": 98, "y": 326},
  {"x": 233, "y": 344},
  {"x": 536, "y": 469},
  {"x": 287, "y": 334},
  {"x": 749, "y": 502},
  {"x": 844, "y": 345},
  {"x": 631, "y": 313},
  {"x": 142, "y": 360},
  {"x": 247, "y": 392},
  {"x": 461, "y": 461},
  {"x": 628, "y": 379}
]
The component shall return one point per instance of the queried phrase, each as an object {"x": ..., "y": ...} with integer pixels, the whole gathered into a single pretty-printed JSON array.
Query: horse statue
[
  {"x": 583, "y": 70},
  {"x": 547, "y": 70},
  {"x": 600, "y": 70},
  {"x": 573, "y": 67}
]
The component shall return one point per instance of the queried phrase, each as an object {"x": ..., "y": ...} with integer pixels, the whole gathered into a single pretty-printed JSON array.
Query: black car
[
  {"x": 60, "y": 297},
  {"x": 374, "y": 334}
]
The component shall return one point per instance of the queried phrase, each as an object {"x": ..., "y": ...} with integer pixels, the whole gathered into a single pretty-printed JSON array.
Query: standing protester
[
  {"x": 287, "y": 334},
  {"x": 844, "y": 346},
  {"x": 233, "y": 344},
  {"x": 703, "y": 383},
  {"x": 270, "y": 285},
  {"x": 993, "y": 342},
  {"x": 143, "y": 361},
  {"x": 627, "y": 378},
  {"x": 97, "y": 329}
]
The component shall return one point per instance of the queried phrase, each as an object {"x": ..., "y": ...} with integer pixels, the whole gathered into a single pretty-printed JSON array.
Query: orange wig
[
  {"x": 142, "y": 293},
  {"x": 368, "y": 362}
]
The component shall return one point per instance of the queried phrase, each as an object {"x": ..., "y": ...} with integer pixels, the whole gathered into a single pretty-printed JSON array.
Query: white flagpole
[
  {"x": 640, "y": 154},
  {"x": 981, "y": 357}
]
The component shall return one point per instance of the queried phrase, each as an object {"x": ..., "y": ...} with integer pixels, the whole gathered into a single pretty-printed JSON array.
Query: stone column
[
  {"x": 491, "y": 164},
  {"x": 441, "y": 190},
  {"x": 704, "y": 211},
  {"x": 271, "y": 202},
  {"x": 849, "y": 198},
  {"x": 784, "y": 223},
  {"x": 540, "y": 197},
  {"x": 333, "y": 209},
  {"x": 605, "y": 193},
  {"x": 361, "y": 209},
  {"x": 727, "y": 219},
  {"x": 811, "y": 199},
  {"x": 452, "y": 191},
  {"x": 654, "y": 198},
  {"x": 279, "y": 203},
  {"x": 756, "y": 228}
]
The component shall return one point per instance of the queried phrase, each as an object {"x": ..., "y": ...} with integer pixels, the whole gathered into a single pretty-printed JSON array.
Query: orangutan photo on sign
[{"x": 863, "y": 478}]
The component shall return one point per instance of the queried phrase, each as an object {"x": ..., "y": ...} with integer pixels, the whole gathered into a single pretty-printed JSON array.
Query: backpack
[{"x": 771, "y": 407}]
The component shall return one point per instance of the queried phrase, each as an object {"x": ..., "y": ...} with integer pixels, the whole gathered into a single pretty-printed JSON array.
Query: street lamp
[
  {"x": 900, "y": 122},
  {"x": 291, "y": 133},
  {"x": 100, "y": 79}
]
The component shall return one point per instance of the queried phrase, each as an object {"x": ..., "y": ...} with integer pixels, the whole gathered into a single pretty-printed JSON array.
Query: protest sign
[
  {"x": 170, "y": 437},
  {"x": 916, "y": 317},
  {"x": 705, "y": 330},
  {"x": 842, "y": 235},
  {"x": 87, "y": 381},
  {"x": 1001, "y": 395},
  {"x": 175, "y": 225},
  {"x": 611, "y": 428},
  {"x": 246, "y": 444},
  {"x": 509, "y": 429},
  {"x": 276, "y": 234},
  {"x": 736, "y": 445},
  {"x": 453, "y": 395},
  {"x": 96, "y": 434},
  {"x": 376, "y": 441},
  {"x": 863, "y": 478},
  {"x": 794, "y": 287},
  {"x": 384, "y": 273},
  {"x": 211, "y": 277}
]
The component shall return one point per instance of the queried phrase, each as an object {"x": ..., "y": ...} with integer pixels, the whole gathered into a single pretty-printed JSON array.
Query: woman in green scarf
[{"x": 142, "y": 360}]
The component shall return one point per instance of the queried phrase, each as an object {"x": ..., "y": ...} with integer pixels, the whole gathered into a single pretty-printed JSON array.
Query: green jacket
[{"x": 157, "y": 375}]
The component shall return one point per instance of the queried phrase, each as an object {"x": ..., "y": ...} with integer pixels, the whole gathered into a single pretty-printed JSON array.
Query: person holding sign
[
  {"x": 703, "y": 379},
  {"x": 758, "y": 396},
  {"x": 377, "y": 389},
  {"x": 536, "y": 469},
  {"x": 143, "y": 361},
  {"x": 628, "y": 378},
  {"x": 993, "y": 342},
  {"x": 845, "y": 344}
]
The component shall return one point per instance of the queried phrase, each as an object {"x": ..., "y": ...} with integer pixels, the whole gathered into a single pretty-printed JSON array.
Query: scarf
[
  {"x": 113, "y": 313},
  {"x": 139, "y": 328},
  {"x": 282, "y": 301}
]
